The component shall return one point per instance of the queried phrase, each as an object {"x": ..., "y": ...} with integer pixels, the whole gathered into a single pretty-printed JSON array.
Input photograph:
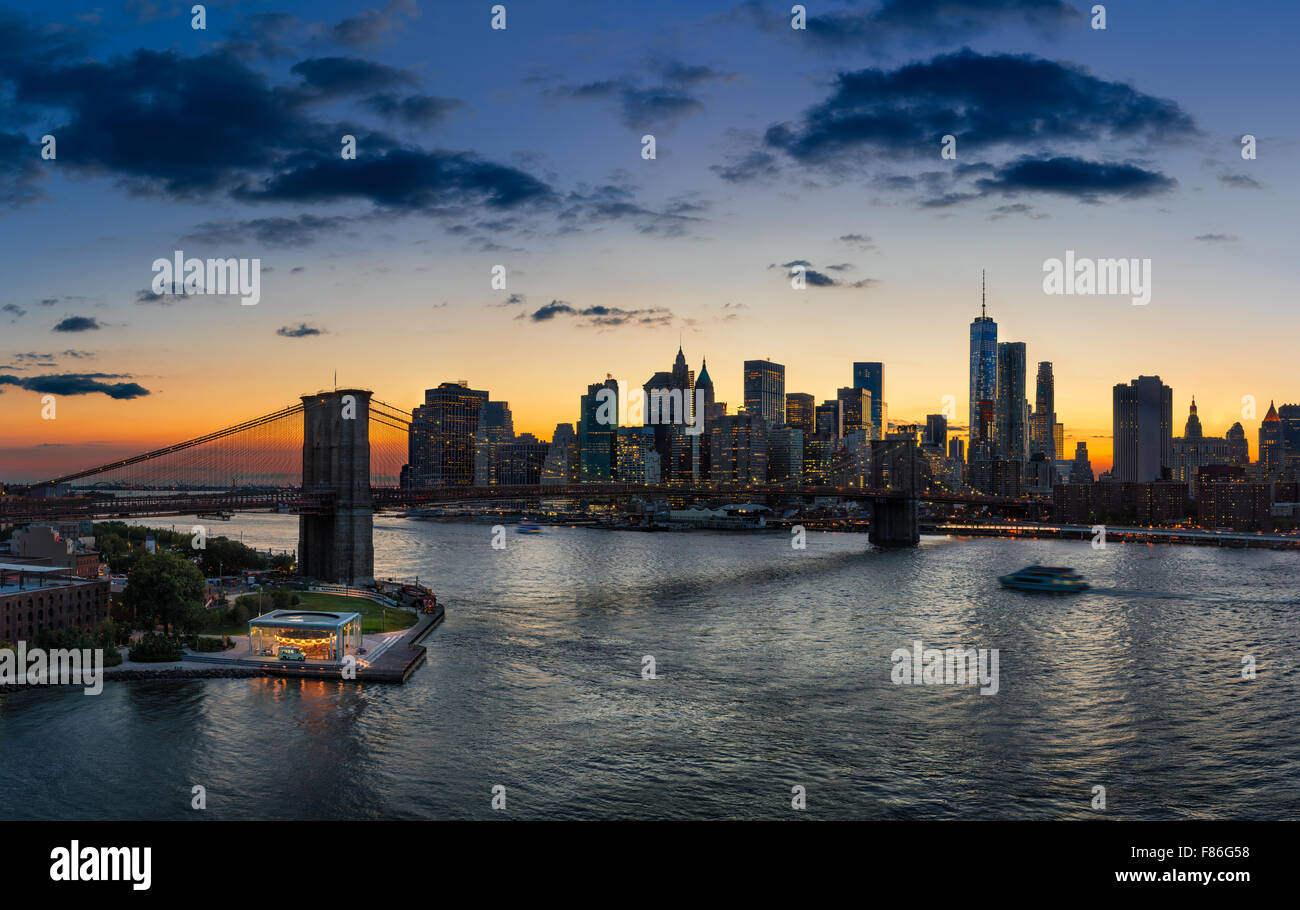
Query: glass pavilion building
[{"x": 319, "y": 635}]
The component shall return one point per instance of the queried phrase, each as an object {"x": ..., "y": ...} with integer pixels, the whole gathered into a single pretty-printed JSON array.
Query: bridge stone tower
[
  {"x": 895, "y": 466},
  {"x": 335, "y": 541}
]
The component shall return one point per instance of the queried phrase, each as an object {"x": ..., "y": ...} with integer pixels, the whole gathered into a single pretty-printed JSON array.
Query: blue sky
[{"x": 522, "y": 148}]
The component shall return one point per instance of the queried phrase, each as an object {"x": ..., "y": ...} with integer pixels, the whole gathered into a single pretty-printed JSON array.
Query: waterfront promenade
[{"x": 390, "y": 657}]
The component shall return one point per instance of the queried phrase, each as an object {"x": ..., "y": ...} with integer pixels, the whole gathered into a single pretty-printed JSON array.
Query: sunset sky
[{"x": 522, "y": 147}]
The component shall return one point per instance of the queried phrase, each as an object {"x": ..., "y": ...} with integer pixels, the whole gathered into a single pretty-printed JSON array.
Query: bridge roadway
[{"x": 20, "y": 509}]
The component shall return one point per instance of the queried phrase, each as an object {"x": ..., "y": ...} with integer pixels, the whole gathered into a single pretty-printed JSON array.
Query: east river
[{"x": 773, "y": 671}]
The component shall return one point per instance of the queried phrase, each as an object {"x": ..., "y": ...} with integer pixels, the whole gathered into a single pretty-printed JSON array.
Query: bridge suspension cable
[{"x": 178, "y": 447}]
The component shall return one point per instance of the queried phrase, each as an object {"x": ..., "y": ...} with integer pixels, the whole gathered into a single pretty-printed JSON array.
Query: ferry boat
[
  {"x": 527, "y": 527},
  {"x": 1052, "y": 579}
]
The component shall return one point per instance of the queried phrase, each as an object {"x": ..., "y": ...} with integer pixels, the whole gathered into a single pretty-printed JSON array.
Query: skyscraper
[
  {"x": 704, "y": 383},
  {"x": 684, "y": 379},
  {"x": 1290, "y": 417},
  {"x": 1012, "y": 408},
  {"x": 738, "y": 444},
  {"x": 445, "y": 436},
  {"x": 799, "y": 408},
  {"x": 870, "y": 375},
  {"x": 1081, "y": 469},
  {"x": 596, "y": 427},
  {"x": 704, "y": 390},
  {"x": 1238, "y": 446},
  {"x": 635, "y": 459},
  {"x": 561, "y": 465},
  {"x": 1194, "y": 450},
  {"x": 1192, "y": 429},
  {"x": 1272, "y": 444},
  {"x": 983, "y": 370},
  {"x": 785, "y": 453},
  {"x": 828, "y": 422},
  {"x": 1042, "y": 428},
  {"x": 936, "y": 430},
  {"x": 765, "y": 390},
  {"x": 670, "y": 407},
  {"x": 855, "y": 410},
  {"x": 495, "y": 432},
  {"x": 1143, "y": 430}
]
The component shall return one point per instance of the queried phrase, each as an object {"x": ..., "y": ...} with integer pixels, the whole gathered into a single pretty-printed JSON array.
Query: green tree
[
  {"x": 228, "y": 556},
  {"x": 161, "y": 589}
]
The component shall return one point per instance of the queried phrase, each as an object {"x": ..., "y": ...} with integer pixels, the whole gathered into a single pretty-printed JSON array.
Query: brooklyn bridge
[{"x": 334, "y": 457}]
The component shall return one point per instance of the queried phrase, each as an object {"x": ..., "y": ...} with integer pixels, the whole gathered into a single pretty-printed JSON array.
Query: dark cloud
[
  {"x": 746, "y": 167},
  {"x": 262, "y": 36},
  {"x": 260, "y": 140},
  {"x": 1014, "y": 208},
  {"x": 279, "y": 231},
  {"x": 14, "y": 310},
  {"x": 603, "y": 316},
  {"x": 1087, "y": 181},
  {"x": 1003, "y": 99},
  {"x": 818, "y": 279},
  {"x": 77, "y": 384},
  {"x": 266, "y": 141},
  {"x": 333, "y": 77},
  {"x": 148, "y": 296},
  {"x": 372, "y": 25},
  {"x": 77, "y": 324},
  {"x": 20, "y": 168},
  {"x": 933, "y": 21},
  {"x": 37, "y": 359},
  {"x": 639, "y": 108},
  {"x": 417, "y": 110},
  {"x": 301, "y": 330},
  {"x": 592, "y": 205},
  {"x": 1240, "y": 182},
  {"x": 1217, "y": 238},
  {"x": 551, "y": 310},
  {"x": 644, "y": 107},
  {"x": 401, "y": 178}
]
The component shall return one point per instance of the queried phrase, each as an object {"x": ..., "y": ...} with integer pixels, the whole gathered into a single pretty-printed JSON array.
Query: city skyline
[
  {"x": 1099, "y": 446},
  {"x": 611, "y": 259}
]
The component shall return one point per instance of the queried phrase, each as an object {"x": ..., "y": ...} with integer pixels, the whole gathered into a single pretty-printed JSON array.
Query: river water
[{"x": 773, "y": 671}]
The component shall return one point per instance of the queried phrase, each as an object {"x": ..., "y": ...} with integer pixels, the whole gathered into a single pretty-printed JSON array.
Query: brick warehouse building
[{"x": 34, "y": 599}]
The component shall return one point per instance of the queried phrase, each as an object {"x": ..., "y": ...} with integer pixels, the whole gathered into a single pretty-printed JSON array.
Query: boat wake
[{"x": 1202, "y": 598}]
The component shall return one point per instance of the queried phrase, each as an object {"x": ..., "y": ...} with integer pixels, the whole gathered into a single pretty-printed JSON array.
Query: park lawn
[{"x": 372, "y": 614}]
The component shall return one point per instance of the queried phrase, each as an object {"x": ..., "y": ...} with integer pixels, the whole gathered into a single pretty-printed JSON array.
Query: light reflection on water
[{"x": 774, "y": 669}]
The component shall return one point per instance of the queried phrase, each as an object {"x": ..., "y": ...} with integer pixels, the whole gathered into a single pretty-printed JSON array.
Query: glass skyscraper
[
  {"x": 445, "y": 436},
  {"x": 1042, "y": 435},
  {"x": 596, "y": 427},
  {"x": 983, "y": 372},
  {"x": 799, "y": 408},
  {"x": 1012, "y": 410},
  {"x": 870, "y": 375},
  {"x": 765, "y": 390}
]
